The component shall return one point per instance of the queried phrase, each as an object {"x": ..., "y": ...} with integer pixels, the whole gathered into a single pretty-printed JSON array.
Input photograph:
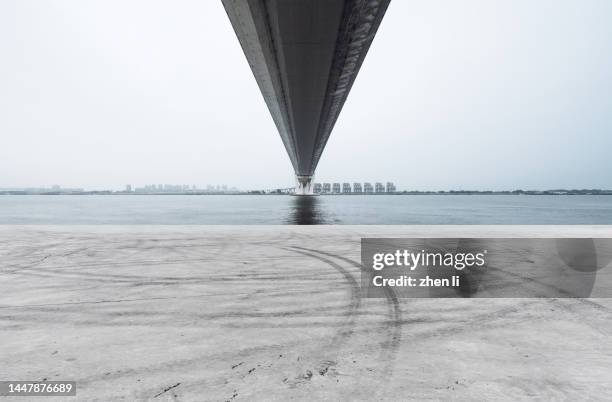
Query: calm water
[{"x": 243, "y": 209}]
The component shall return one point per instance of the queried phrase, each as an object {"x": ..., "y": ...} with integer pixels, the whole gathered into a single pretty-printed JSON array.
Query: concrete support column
[{"x": 304, "y": 185}]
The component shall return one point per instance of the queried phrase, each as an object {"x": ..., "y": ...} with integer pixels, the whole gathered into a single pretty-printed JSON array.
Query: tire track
[
  {"x": 347, "y": 329},
  {"x": 393, "y": 323}
]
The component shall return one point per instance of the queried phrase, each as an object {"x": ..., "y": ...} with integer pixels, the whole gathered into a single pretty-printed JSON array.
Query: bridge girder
[{"x": 305, "y": 56}]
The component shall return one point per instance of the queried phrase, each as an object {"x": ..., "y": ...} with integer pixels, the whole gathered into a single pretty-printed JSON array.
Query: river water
[{"x": 282, "y": 209}]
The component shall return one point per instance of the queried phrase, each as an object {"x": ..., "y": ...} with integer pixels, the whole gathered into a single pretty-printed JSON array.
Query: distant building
[
  {"x": 354, "y": 188},
  {"x": 128, "y": 188}
]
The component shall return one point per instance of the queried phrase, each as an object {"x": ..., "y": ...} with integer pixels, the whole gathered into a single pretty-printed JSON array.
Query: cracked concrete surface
[{"x": 275, "y": 313}]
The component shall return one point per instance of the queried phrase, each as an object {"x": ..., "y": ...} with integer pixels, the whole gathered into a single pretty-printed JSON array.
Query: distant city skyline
[
  {"x": 483, "y": 94},
  {"x": 321, "y": 188}
]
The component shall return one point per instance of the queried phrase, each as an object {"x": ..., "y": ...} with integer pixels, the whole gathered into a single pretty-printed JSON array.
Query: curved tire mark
[
  {"x": 347, "y": 329},
  {"x": 393, "y": 324}
]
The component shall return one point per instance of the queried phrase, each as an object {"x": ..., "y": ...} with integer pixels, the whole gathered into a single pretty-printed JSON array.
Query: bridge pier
[{"x": 304, "y": 185}]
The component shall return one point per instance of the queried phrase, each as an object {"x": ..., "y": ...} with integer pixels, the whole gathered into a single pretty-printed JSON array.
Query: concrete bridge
[{"x": 305, "y": 55}]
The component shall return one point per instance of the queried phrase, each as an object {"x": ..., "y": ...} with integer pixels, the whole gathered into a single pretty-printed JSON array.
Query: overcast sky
[{"x": 473, "y": 94}]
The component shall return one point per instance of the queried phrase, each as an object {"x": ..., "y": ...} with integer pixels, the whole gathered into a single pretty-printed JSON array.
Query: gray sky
[{"x": 453, "y": 94}]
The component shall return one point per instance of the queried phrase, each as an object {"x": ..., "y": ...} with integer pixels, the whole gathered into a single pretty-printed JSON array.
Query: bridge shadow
[{"x": 305, "y": 210}]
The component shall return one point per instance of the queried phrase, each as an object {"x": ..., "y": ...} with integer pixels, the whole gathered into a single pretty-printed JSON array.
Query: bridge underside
[{"x": 305, "y": 55}]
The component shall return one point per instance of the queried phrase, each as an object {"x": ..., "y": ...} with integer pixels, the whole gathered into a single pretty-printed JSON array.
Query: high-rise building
[
  {"x": 367, "y": 188},
  {"x": 357, "y": 188},
  {"x": 346, "y": 188},
  {"x": 317, "y": 188},
  {"x": 326, "y": 188},
  {"x": 128, "y": 188},
  {"x": 390, "y": 187},
  {"x": 336, "y": 188},
  {"x": 379, "y": 187}
]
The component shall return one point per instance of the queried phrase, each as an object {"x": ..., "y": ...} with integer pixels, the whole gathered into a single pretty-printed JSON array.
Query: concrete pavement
[{"x": 274, "y": 312}]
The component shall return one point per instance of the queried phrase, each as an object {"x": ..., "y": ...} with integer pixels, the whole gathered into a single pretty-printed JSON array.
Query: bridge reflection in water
[{"x": 307, "y": 211}]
